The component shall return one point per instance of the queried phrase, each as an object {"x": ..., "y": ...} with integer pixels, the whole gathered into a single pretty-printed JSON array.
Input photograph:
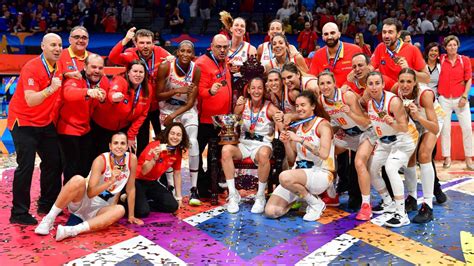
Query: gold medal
[
  {"x": 338, "y": 105},
  {"x": 382, "y": 114}
]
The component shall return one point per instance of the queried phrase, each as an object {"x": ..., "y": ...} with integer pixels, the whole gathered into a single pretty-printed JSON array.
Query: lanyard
[
  {"x": 297, "y": 123},
  {"x": 74, "y": 63},
  {"x": 45, "y": 64},
  {"x": 137, "y": 95},
  {"x": 120, "y": 162},
  {"x": 236, "y": 51},
  {"x": 186, "y": 74},
  {"x": 254, "y": 120},
  {"x": 282, "y": 103},
  {"x": 148, "y": 68},
  {"x": 379, "y": 105},
  {"x": 334, "y": 99},
  {"x": 222, "y": 73},
  {"x": 338, "y": 53},
  {"x": 89, "y": 83},
  {"x": 397, "y": 49}
]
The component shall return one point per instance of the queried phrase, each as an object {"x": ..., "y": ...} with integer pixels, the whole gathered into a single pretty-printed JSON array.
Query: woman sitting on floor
[
  {"x": 94, "y": 200},
  {"x": 312, "y": 148}
]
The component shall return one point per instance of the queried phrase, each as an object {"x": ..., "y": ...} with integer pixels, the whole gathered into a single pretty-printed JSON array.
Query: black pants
[
  {"x": 76, "y": 154},
  {"x": 101, "y": 138},
  {"x": 143, "y": 136},
  {"x": 28, "y": 141},
  {"x": 153, "y": 196},
  {"x": 205, "y": 133},
  {"x": 347, "y": 173}
]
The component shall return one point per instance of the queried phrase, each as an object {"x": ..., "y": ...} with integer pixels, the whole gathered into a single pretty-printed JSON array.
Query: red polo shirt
[
  {"x": 388, "y": 85},
  {"x": 115, "y": 116},
  {"x": 71, "y": 62},
  {"x": 307, "y": 40},
  {"x": 165, "y": 161},
  {"x": 77, "y": 107},
  {"x": 382, "y": 61},
  {"x": 453, "y": 77},
  {"x": 34, "y": 77},
  {"x": 217, "y": 104},
  {"x": 117, "y": 57},
  {"x": 343, "y": 65}
]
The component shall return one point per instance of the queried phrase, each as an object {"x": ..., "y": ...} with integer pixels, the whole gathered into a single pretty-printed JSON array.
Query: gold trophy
[{"x": 228, "y": 124}]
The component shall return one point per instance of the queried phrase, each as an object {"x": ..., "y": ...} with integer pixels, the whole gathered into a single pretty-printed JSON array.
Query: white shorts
[
  {"x": 188, "y": 118},
  {"x": 341, "y": 139},
  {"x": 423, "y": 130},
  {"x": 87, "y": 208},
  {"x": 250, "y": 148},
  {"x": 400, "y": 150},
  {"x": 317, "y": 181}
]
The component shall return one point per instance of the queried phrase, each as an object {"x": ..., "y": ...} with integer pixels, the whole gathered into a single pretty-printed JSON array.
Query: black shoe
[
  {"x": 43, "y": 209},
  {"x": 25, "y": 219},
  {"x": 354, "y": 203},
  {"x": 411, "y": 204},
  {"x": 440, "y": 195},
  {"x": 425, "y": 214},
  {"x": 194, "y": 197}
]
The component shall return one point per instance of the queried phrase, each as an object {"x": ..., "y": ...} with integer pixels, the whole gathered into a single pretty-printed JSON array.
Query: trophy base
[{"x": 229, "y": 140}]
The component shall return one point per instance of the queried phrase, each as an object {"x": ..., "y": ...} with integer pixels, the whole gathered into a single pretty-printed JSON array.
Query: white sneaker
[
  {"x": 398, "y": 220},
  {"x": 233, "y": 203},
  {"x": 313, "y": 212},
  {"x": 64, "y": 232},
  {"x": 259, "y": 205},
  {"x": 384, "y": 208},
  {"x": 45, "y": 226}
]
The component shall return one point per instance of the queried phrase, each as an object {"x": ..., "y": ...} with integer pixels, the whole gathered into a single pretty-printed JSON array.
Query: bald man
[
  {"x": 336, "y": 56},
  {"x": 32, "y": 111},
  {"x": 214, "y": 98},
  {"x": 80, "y": 96}
]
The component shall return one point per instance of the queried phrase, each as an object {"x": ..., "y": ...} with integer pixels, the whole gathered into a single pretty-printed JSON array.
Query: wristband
[{"x": 45, "y": 94}]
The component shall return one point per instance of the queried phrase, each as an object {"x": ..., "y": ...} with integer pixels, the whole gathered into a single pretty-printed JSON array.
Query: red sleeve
[
  {"x": 389, "y": 82},
  {"x": 118, "y": 84},
  {"x": 375, "y": 59},
  {"x": 177, "y": 163},
  {"x": 205, "y": 83},
  {"x": 74, "y": 90},
  {"x": 137, "y": 123},
  {"x": 300, "y": 37},
  {"x": 117, "y": 57},
  {"x": 146, "y": 153},
  {"x": 467, "y": 68},
  {"x": 161, "y": 53},
  {"x": 418, "y": 60},
  {"x": 30, "y": 79},
  {"x": 314, "y": 69}
]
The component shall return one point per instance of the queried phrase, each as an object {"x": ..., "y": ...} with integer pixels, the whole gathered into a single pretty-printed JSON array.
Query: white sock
[
  {"x": 386, "y": 198},
  {"x": 310, "y": 199},
  {"x": 427, "y": 182},
  {"x": 54, "y": 212},
  {"x": 81, "y": 228},
  {"x": 169, "y": 178},
  {"x": 400, "y": 206},
  {"x": 231, "y": 186},
  {"x": 411, "y": 181},
  {"x": 193, "y": 169},
  {"x": 366, "y": 199},
  {"x": 261, "y": 188}
]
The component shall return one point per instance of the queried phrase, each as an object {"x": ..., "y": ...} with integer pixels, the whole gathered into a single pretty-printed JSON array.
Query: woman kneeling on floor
[
  {"x": 94, "y": 200},
  {"x": 312, "y": 148}
]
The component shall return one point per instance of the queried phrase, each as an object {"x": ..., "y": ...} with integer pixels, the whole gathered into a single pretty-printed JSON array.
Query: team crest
[
  {"x": 31, "y": 82},
  {"x": 382, "y": 62},
  {"x": 71, "y": 68}
]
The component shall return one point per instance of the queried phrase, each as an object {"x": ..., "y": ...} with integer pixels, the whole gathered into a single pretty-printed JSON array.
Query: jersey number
[
  {"x": 378, "y": 130},
  {"x": 342, "y": 121}
]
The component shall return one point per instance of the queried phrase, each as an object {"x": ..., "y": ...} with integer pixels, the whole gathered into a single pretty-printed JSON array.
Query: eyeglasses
[{"x": 77, "y": 37}]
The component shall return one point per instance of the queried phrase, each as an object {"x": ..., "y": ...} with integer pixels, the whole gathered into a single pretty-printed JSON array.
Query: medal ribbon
[
  {"x": 236, "y": 51},
  {"x": 186, "y": 74},
  {"x": 297, "y": 123},
  {"x": 379, "y": 105},
  {"x": 137, "y": 95},
  {"x": 45, "y": 64},
  {"x": 338, "y": 53},
  {"x": 148, "y": 68},
  {"x": 397, "y": 49},
  {"x": 222, "y": 74},
  {"x": 254, "y": 120}
]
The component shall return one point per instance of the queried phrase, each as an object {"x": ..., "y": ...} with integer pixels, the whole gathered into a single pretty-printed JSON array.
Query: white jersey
[
  {"x": 264, "y": 127},
  {"x": 175, "y": 81},
  {"x": 121, "y": 181},
  {"x": 338, "y": 117},
  {"x": 267, "y": 53},
  {"x": 241, "y": 55},
  {"x": 273, "y": 63},
  {"x": 305, "y": 80},
  {"x": 381, "y": 128},
  {"x": 437, "y": 107},
  {"x": 285, "y": 105},
  {"x": 312, "y": 136}
]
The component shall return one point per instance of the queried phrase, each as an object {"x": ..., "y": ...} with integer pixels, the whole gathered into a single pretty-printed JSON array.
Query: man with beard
[
  {"x": 336, "y": 56},
  {"x": 79, "y": 98},
  {"x": 214, "y": 98},
  {"x": 152, "y": 56},
  {"x": 393, "y": 54},
  {"x": 30, "y": 121},
  {"x": 72, "y": 58}
]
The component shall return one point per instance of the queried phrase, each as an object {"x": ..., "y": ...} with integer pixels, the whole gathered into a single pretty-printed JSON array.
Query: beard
[{"x": 332, "y": 43}]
